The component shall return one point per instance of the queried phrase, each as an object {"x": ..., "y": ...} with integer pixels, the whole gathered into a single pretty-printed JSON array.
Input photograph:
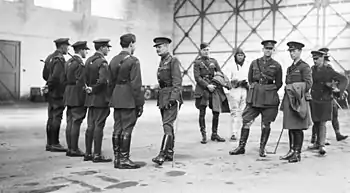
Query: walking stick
[
  {"x": 175, "y": 130},
  {"x": 278, "y": 142}
]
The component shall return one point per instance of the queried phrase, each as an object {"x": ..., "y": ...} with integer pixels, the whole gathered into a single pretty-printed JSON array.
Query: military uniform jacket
[
  {"x": 322, "y": 96},
  {"x": 56, "y": 79},
  {"x": 265, "y": 79},
  {"x": 298, "y": 76},
  {"x": 125, "y": 82},
  {"x": 48, "y": 64},
  {"x": 96, "y": 76},
  {"x": 169, "y": 80},
  {"x": 74, "y": 95},
  {"x": 203, "y": 71}
]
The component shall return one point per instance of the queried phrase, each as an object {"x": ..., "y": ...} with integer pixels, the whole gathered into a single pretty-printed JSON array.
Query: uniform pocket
[
  {"x": 249, "y": 98},
  {"x": 271, "y": 97}
]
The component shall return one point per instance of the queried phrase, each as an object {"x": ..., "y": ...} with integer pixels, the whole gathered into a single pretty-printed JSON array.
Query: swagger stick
[
  {"x": 278, "y": 142},
  {"x": 175, "y": 130}
]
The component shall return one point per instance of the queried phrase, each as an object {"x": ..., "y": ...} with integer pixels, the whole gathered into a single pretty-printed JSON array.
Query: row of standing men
[
  {"x": 123, "y": 72},
  {"x": 306, "y": 87},
  {"x": 96, "y": 86}
]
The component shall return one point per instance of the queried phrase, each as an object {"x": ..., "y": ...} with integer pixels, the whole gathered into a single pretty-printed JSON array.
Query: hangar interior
[
  {"x": 229, "y": 24},
  {"x": 29, "y": 26}
]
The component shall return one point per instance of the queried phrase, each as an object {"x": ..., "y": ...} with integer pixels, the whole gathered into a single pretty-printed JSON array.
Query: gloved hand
[
  {"x": 344, "y": 95},
  {"x": 139, "y": 111}
]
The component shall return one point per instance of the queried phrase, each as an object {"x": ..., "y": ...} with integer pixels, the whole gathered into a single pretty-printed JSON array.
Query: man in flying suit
[
  {"x": 53, "y": 73},
  {"x": 265, "y": 79},
  {"x": 97, "y": 99},
  {"x": 204, "y": 69},
  {"x": 74, "y": 98},
  {"x": 127, "y": 100},
  {"x": 169, "y": 98}
]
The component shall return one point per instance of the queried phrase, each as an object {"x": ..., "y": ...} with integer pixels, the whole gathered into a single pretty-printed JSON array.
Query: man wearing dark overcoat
[
  {"x": 97, "y": 99},
  {"x": 169, "y": 97},
  {"x": 204, "y": 69},
  {"x": 322, "y": 93},
  {"x": 127, "y": 100},
  {"x": 74, "y": 98},
  {"x": 335, "y": 121},
  {"x": 295, "y": 103},
  {"x": 265, "y": 79},
  {"x": 53, "y": 73}
]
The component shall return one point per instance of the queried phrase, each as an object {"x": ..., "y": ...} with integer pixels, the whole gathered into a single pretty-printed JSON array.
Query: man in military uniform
[
  {"x": 296, "y": 116},
  {"x": 322, "y": 93},
  {"x": 335, "y": 121},
  {"x": 265, "y": 79},
  {"x": 74, "y": 98},
  {"x": 127, "y": 100},
  {"x": 97, "y": 99},
  {"x": 53, "y": 73},
  {"x": 204, "y": 69},
  {"x": 169, "y": 98}
]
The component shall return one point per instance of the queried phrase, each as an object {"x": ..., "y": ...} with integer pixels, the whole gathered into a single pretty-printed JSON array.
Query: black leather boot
[
  {"x": 125, "y": 162},
  {"x": 89, "y": 137},
  {"x": 116, "y": 142},
  {"x": 74, "y": 141},
  {"x": 298, "y": 143},
  {"x": 68, "y": 140},
  {"x": 215, "y": 124},
  {"x": 202, "y": 126},
  {"x": 48, "y": 137},
  {"x": 341, "y": 137},
  {"x": 162, "y": 154},
  {"x": 170, "y": 151},
  {"x": 265, "y": 134},
  {"x": 56, "y": 146},
  {"x": 291, "y": 146},
  {"x": 242, "y": 142}
]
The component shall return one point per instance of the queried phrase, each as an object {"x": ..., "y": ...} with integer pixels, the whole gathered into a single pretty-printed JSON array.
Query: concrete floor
[{"x": 26, "y": 167}]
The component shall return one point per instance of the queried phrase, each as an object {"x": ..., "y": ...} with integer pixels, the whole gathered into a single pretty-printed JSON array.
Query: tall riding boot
[
  {"x": 242, "y": 142},
  {"x": 89, "y": 138},
  {"x": 170, "y": 151},
  {"x": 162, "y": 154},
  {"x": 202, "y": 126},
  {"x": 75, "y": 151},
  {"x": 125, "y": 162},
  {"x": 299, "y": 138},
  {"x": 291, "y": 146},
  {"x": 56, "y": 146},
  {"x": 215, "y": 124},
  {"x": 116, "y": 142},
  {"x": 68, "y": 140},
  {"x": 97, "y": 156},
  {"x": 48, "y": 136},
  {"x": 265, "y": 134}
]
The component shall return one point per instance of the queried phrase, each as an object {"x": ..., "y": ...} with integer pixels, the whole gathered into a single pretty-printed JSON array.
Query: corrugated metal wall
[{"x": 228, "y": 24}]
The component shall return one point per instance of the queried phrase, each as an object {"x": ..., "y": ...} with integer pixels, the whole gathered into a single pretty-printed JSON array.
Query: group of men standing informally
[{"x": 95, "y": 86}]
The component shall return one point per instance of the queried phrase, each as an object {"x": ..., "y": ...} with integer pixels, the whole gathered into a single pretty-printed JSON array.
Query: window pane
[
  {"x": 65, "y": 5},
  {"x": 108, "y": 8}
]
